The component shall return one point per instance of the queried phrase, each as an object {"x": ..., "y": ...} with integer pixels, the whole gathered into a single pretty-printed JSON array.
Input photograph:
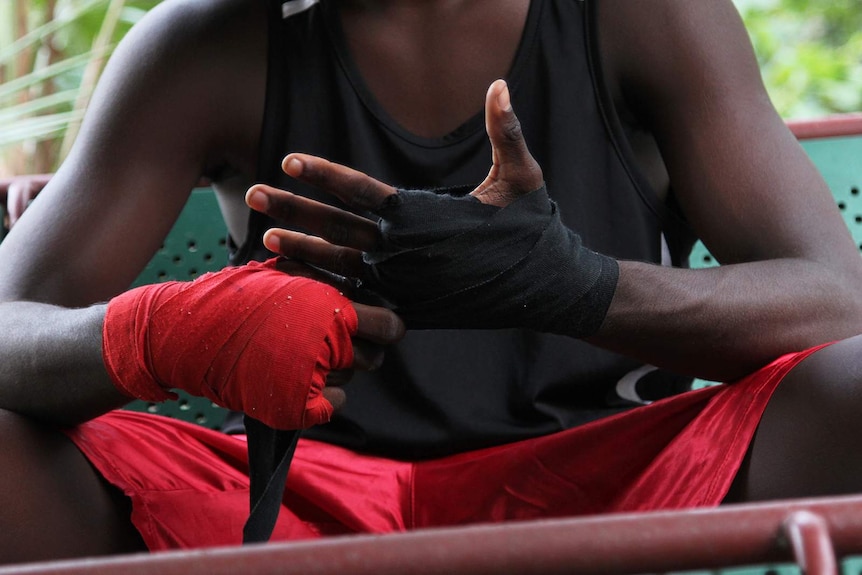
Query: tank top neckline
[{"x": 471, "y": 126}]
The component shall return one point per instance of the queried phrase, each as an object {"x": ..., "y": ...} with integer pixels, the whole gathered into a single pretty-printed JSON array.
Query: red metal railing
[
  {"x": 828, "y": 127},
  {"x": 814, "y": 533}
]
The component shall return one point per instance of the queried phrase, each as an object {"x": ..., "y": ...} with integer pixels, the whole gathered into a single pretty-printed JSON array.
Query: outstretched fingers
[
  {"x": 335, "y": 225},
  {"x": 515, "y": 172},
  {"x": 355, "y": 189}
]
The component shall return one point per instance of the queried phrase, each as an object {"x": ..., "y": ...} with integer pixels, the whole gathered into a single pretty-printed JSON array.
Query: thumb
[{"x": 515, "y": 172}]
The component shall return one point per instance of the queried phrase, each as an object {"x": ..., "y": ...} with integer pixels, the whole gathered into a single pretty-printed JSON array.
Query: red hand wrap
[{"x": 250, "y": 338}]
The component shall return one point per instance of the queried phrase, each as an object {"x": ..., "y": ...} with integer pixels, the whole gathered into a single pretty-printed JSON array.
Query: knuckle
[
  {"x": 512, "y": 130},
  {"x": 529, "y": 176},
  {"x": 533, "y": 175},
  {"x": 338, "y": 262},
  {"x": 364, "y": 193},
  {"x": 282, "y": 208},
  {"x": 535, "y": 168},
  {"x": 336, "y": 233},
  {"x": 317, "y": 173}
]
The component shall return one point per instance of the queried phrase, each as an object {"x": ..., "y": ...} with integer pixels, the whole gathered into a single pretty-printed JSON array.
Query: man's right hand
[{"x": 251, "y": 339}]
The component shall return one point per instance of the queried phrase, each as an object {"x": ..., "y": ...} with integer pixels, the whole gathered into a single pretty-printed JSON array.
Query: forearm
[
  {"x": 722, "y": 323},
  {"x": 51, "y": 363}
]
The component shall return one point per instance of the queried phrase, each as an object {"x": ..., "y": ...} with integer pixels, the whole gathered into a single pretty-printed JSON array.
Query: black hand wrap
[{"x": 449, "y": 261}]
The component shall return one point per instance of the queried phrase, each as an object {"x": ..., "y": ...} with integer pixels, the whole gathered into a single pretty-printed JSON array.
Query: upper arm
[
  {"x": 179, "y": 97},
  {"x": 688, "y": 71}
]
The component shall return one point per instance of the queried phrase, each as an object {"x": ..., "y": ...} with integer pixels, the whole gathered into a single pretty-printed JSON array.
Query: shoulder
[
  {"x": 668, "y": 52},
  {"x": 181, "y": 96},
  {"x": 182, "y": 21},
  {"x": 687, "y": 72},
  {"x": 198, "y": 64},
  {"x": 190, "y": 35}
]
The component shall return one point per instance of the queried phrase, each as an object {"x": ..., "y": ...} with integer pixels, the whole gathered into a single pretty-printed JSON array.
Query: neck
[{"x": 429, "y": 62}]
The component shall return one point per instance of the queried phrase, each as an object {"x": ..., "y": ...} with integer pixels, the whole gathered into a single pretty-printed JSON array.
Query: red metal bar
[
  {"x": 6, "y": 182},
  {"x": 828, "y": 127},
  {"x": 808, "y": 535},
  {"x": 621, "y": 543}
]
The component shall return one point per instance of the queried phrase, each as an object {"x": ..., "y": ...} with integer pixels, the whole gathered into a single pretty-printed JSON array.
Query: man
[{"x": 663, "y": 102}]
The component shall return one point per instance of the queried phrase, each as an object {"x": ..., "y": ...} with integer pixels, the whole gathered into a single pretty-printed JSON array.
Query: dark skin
[{"x": 183, "y": 98}]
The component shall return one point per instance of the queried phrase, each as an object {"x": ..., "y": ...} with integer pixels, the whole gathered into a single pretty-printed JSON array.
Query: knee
[
  {"x": 30, "y": 454},
  {"x": 58, "y": 503},
  {"x": 11, "y": 421},
  {"x": 22, "y": 437},
  {"x": 807, "y": 441},
  {"x": 830, "y": 379},
  {"x": 23, "y": 454}
]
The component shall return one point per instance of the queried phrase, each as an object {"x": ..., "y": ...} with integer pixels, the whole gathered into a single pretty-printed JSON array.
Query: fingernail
[
  {"x": 293, "y": 167},
  {"x": 257, "y": 200},
  {"x": 503, "y": 99},
  {"x": 270, "y": 242}
]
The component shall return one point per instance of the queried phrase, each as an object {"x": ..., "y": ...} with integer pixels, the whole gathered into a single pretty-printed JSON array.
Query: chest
[{"x": 429, "y": 64}]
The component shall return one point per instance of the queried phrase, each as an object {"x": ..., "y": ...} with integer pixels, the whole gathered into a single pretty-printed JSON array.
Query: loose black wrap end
[{"x": 270, "y": 452}]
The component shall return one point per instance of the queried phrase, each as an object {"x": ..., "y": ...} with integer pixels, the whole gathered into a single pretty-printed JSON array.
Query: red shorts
[{"x": 189, "y": 485}]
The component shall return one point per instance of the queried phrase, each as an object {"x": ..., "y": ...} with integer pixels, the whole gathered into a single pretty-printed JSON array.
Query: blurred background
[
  {"x": 52, "y": 51},
  {"x": 51, "y": 54}
]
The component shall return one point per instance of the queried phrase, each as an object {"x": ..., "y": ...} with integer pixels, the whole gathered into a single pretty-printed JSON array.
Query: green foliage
[
  {"x": 810, "y": 53},
  {"x": 51, "y": 52}
]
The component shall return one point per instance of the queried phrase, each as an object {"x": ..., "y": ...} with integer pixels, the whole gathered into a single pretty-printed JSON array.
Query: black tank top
[{"x": 441, "y": 392}]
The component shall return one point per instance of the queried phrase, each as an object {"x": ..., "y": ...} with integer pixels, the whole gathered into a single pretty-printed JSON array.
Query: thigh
[
  {"x": 59, "y": 505},
  {"x": 807, "y": 443}
]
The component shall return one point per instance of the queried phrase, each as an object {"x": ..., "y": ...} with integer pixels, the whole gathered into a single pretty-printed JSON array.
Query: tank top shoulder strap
[
  {"x": 283, "y": 17},
  {"x": 676, "y": 231}
]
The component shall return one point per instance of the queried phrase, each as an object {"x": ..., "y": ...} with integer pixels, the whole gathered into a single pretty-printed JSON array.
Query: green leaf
[{"x": 38, "y": 128}]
